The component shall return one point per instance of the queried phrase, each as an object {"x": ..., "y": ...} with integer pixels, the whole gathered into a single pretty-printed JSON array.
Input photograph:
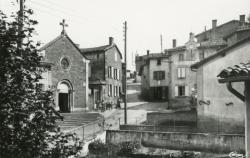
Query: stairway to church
[{"x": 76, "y": 119}]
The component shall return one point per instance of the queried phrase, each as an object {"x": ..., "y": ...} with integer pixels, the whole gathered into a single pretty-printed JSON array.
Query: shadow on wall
[{"x": 179, "y": 118}]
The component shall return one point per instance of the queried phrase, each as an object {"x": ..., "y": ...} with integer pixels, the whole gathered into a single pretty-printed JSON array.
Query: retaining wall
[{"x": 206, "y": 142}]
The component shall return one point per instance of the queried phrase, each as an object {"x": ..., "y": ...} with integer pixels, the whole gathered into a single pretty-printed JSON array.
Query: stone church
[{"x": 68, "y": 74}]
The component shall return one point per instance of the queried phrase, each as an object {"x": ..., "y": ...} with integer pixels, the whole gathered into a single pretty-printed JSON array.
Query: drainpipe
[{"x": 236, "y": 93}]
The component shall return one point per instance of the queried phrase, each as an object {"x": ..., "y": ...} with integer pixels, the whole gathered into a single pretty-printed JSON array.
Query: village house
[
  {"x": 155, "y": 77},
  {"x": 67, "y": 75},
  {"x": 218, "y": 109},
  {"x": 105, "y": 81},
  {"x": 182, "y": 80},
  {"x": 240, "y": 73},
  {"x": 199, "y": 47}
]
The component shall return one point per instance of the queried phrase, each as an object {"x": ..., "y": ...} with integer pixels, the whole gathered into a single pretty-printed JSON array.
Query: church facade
[{"x": 68, "y": 74}]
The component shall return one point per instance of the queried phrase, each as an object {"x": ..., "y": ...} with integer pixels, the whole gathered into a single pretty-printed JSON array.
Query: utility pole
[
  {"x": 20, "y": 23},
  {"x": 125, "y": 79},
  {"x": 161, "y": 44}
]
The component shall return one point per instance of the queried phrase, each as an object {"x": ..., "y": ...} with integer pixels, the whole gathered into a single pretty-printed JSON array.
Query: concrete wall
[
  {"x": 158, "y": 128},
  {"x": 76, "y": 74},
  {"x": 172, "y": 118},
  {"x": 217, "y": 107},
  {"x": 180, "y": 141}
]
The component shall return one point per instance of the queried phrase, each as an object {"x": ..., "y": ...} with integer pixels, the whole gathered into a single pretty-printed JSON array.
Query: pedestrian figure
[{"x": 118, "y": 106}]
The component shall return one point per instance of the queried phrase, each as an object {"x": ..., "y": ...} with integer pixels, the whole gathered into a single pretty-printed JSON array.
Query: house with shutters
[
  {"x": 67, "y": 74},
  {"x": 105, "y": 80},
  {"x": 155, "y": 77},
  {"x": 182, "y": 79}
]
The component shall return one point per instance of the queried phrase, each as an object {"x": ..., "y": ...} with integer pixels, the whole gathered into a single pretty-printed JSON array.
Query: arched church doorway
[{"x": 64, "y": 96}]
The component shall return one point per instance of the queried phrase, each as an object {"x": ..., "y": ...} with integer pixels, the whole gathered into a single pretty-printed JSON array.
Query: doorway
[{"x": 64, "y": 97}]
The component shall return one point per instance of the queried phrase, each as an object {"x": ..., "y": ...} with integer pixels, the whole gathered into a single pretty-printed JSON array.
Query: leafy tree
[{"x": 27, "y": 122}]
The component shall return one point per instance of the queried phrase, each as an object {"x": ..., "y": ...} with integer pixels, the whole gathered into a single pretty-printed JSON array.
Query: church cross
[{"x": 63, "y": 26}]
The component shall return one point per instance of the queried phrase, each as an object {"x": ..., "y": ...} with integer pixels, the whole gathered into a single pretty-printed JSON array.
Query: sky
[{"x": 92, "y": 22}]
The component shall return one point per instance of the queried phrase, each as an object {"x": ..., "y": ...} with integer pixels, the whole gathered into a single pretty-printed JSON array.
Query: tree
[{"x": 27, "y": 122}]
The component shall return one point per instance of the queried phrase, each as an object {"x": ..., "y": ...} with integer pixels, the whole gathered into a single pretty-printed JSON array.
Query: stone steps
[{"x": 76, "y": 119}]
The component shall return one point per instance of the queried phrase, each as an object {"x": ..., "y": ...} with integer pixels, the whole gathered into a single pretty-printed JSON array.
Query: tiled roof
[
  {"x": 153, "y": 55},
  {"x": 157, "y": 55},
  {"x": 176, "y": 49},
  {"x": 95, "y": 49},
  {"x": 236, "y": 70},
  {"x": 100, "y": 48}
]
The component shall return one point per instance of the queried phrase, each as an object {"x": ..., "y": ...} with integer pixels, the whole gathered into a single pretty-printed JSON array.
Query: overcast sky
[{"x": 91, "y": 22}]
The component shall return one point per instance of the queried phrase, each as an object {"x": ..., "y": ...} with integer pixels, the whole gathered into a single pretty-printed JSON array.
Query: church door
[
  {"x": 64, "y": 95},
  {"x": 64, "y": 102}
]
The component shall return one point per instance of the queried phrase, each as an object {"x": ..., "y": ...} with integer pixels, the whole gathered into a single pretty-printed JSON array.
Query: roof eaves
[{"x": 50, "y": 43}]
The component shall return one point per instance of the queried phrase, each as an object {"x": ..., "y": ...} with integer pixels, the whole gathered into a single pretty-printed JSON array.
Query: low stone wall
[
  {"x": 158, "y": 128},
  {"x": 213, "y": 124},
  {"x": 206, "y": 142},
  {"x": 180, "y": 118}
]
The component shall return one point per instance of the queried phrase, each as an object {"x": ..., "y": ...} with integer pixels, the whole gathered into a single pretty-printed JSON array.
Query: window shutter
[
  {"x": 183, "y": 72},
  {"x": 179, "y": 72},
  {"x": 163, "y": 75},
  {"x": 108, "y": 90},
  {"x": 154, "y": 75},
  {"x": 118, "y": 74},
  {"x": 186, "y": 91},
  {"x": 112, "y": 71},
  {"x": 176, "y": 91}
]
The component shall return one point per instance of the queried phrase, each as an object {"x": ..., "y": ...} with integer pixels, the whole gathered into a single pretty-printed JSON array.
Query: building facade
[
  {"x": 218, "y": 109},
  {"x": 155, "y": 77},
  {"x": 182, "y": 79},
  {"x": 105, "y": 81},
  {"x": 68, "y": 74}
]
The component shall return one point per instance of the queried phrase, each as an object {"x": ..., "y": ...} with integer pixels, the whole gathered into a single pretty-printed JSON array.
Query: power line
[{"x": 65, "y": 12}]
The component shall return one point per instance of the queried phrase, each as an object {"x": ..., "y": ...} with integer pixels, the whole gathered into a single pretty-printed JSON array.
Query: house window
[
  {"x": 180, "y": 91},
  {"x": 115, "y": 56},
  {"x": 109, "y": 71},
  {"x": 158, "y": 61},
  {"x": 115, "y": 73},
  {"x": 159, "y": 75},
  {"x": 181, "y": 57},
  {"x": 110, "y": 90},
  {"x": 181, "y": 72},
  {"x": 201, "y": 55}
]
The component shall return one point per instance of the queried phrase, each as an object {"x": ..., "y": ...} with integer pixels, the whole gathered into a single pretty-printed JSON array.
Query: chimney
[
  {"x": 111, "y": 40},
  {"x": 214, "y": 23},
  {"x": 242, "y": 18},
  {"x": 174, "y": 43},
  {"x": 147, "y": 52}
]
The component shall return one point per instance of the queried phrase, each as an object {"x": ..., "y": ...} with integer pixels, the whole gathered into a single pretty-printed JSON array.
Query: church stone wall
[{"x": 75, "y": 74}]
